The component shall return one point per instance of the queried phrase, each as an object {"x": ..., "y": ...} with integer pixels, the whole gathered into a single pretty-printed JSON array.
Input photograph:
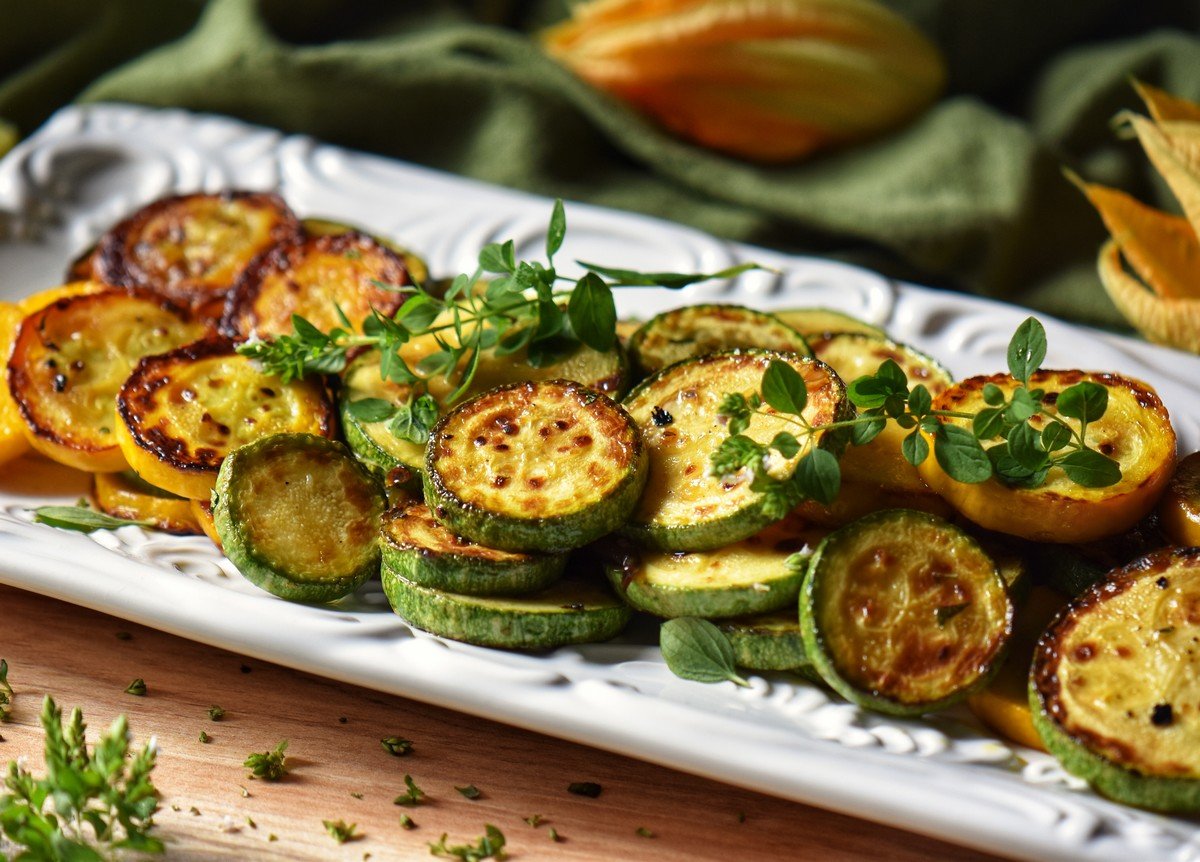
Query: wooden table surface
[{"x": 338, "y": 769}]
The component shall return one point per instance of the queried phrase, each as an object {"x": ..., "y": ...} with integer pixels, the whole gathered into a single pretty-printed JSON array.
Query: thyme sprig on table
[
  {"x": 521, "y": 309},
  {"x": 1021, "y": 456}
]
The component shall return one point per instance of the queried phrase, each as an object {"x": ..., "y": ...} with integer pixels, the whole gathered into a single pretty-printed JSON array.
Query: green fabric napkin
[{"x": 970, "y": 195}]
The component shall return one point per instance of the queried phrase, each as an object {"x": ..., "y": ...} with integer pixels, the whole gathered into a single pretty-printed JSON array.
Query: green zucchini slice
[
  {"x": 575, "y": 609},
  {"x": 1115, "y": 685},
  {"x": 819, "y": 322},
  {"x": 373, "y": 442},
  {"x": 904, "y": 613},
  {"x": 538, "y": 466},
  {"x": 422, "y": 551},
  {"x": 684, "y": 508},
  {"x": 697, "y": 330},
  {"x": 748, "y": 577},
  {"x": 299, "y": 517},
  {"x": 770, "y": 641}
]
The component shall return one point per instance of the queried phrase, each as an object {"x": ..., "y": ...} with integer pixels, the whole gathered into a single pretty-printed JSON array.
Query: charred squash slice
[
  {"x": 822, "y": 322},
  {"x": 127, "y": 495},
  {"x": 69, "y": 361},
  {"x": 299, "y": 517},
  {"x": 414, "y": 265},
  {"x": 1180, "y": 506},
  {"x": 313, "y": 277},
  {"x": 697, "y": 330},
  {"x": 904, "y": 613},
  {"x": 1115, "y": 686},
  {"x": 181, "y": 413},
  {"x": 43, "y": 298},
  {"x": 684, "y": 508},
  {"x": 748, "y": 577},
  {"x": 1135, "y": 431},
  {"x": 192, "y": 248},
  {"x": 13, "y": 443},
  {"x": 202, "y": 511},
  {"x": 880, "y": 463},
  {"x": 540, "y": 466},
  {"x": 420, "y": 550}
]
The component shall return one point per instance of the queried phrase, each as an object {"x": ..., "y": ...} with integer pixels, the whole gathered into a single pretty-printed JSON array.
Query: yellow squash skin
[
  {"x": 202, "y": 512},
  {"x": 182, "y": 412},
  {"x": 684, "y": 508},
  {"x": 70, "y": 359},
  {"x": 41, "y": 299},
  {"x": 127, "y": 495},
  {"x": 1135, "y": 431},
  {"x": 857, "y": 499},
  {"x": 1179, "y": 509},
  {"x": 192, "y": 248},
  {"x": 12, "y": 434}
]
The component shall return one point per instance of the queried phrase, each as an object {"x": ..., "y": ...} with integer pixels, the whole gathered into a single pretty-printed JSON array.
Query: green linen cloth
[{"x": 970, "y": 195}]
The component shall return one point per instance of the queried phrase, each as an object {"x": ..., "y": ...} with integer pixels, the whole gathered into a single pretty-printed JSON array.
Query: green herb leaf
[
  {"x": 470, "y": 791},
  {"x": 1086, "y": 401},
  {"x": 396, "y": 746},
  {"x": 786, "y": 444},
  {"x": 407, "y": 822},
  {"x": 737, "y": 412},
  {"x": 920, "y": 401},
  {"x": 819, "y": 476},
  {"x": 1006, "y": 469},
  {"x": 914, "y": 448},
  {"x": 371, "y": 409},
  {"x": 865, "y": 431},
  {"x": 1025, "y": 447},
  {"x": 643, "y": 832},
  {"x": 489, "y": 846},
  {"x": 81, "y": 518},
  {"x": 673, "y": 280},
  {"x": 593, "y": 313},
  {"x": 988, "y": 423},
  {"x": 553, "y": 834},
  {"x": 783, "y": 388},
  {"x": 341, "y": 831},
  {"x": 1022, "y": 406},
  {"x": 412, "y": 796},
  {"x": 268, "y": 765},
  {"x": 414, "y": 420},
  {"x": 556, "y": 231},
  {"x": 735, "y": 453},
  {"x": 993, "y": 394},
  {"x": 696, "y": 649},
  {"x": 1090, "y": 469},
  {"x": 498, "y": 258},
  {"x": 137, "y": 688},
  {"x": 205, "y": 738},
  {"x": 534, "y": 820},
  {"x": 1055, "y": 436},
  {"x": 1027, "y": 349},
  {"x": 960, "y": 455},
  {"x": 215, "y": 713}
]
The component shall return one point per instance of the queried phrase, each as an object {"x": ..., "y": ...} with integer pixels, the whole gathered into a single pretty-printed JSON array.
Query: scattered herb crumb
[
  {"x": 124, "y": 636},
  {"x": 6, "y": 693},
  {"x": 488, "y": 846},
  {"x": 137, "y": 688},
  {"x": 194, "y": 811},
  {"x": 175, "y": 807},
  {"x": 534, "y": 820},
  {"x": 205, "y": 738},
  {"x": 215, "y": 713},
  {"x": 554, "y": 836},
  {"x": 272, "y": 837},
  {"x": 356, "y": 794},
  {"x": 644, "y": 832},
  {"x": 245, "y": 792},
  {"x": 250, "y": 822},
  {"x": 412, "y": 796},
  {"x": 470, "y": 791},
  {"x": 396, "y": 746},
  {"x": 341, "y": 831},
  {"x": 407, "y": 822},
  {"x": 268, "y": 765},
  {"x": 584, "y": 788}
]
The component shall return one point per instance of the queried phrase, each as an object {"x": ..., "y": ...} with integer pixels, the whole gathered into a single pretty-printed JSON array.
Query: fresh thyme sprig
[
  {"x": 1022, "y": 457},
  {"x": 268, "y": 765},
  {"x": 521, "y": 309},
  {"x": 91, "y": 804}
]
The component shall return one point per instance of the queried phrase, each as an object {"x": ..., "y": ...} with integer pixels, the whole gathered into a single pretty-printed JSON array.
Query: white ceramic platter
[{"x": 943, "y": 776}]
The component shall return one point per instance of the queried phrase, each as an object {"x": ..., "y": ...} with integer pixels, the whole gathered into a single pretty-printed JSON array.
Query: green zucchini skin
[
  {"x": 419, "y": 550},
  {"x": 770, "y": 641},
  {"x": 1164, "y": 625},
  {"x": 697, "y": 330},
  {"x": 372, "y": 443},
  {"x": 555, "y": 533},
  {"x": 342, "y": 532},
  {"x": 573, "y": 610},
  {"x": 669, "y": 602},
  {"x": 891, "y": 526}
]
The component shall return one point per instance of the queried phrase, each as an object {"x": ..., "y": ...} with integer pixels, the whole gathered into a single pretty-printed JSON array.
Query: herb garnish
[
  {"x": 412, "y": 796},
  {"x": 341, "y": 831},
  {"x": 534, "y": 820},
  {"x": 489, "y": 846},
  {"x": 553, "y": 833},
  {"x": 82, "y": 518},
  {"x": 92, "y": 802},
  {"x": 396, "y": 746},
  {"x": 644, "y": 832},
  {"x": 137, "y": 688},
  {"x": 6, "y": 693},
  {"x": 696, "y": 649},
  {"x": 215, "y": 713},
  {"x": 407, "y": 822},
  {"x": 205, "y": 738},
  {"x": 470, "y": 791},
  {"x": 584, "y": 788},
  {"x": 521, "y": 309},
  {"x": 268, "y": 765}
]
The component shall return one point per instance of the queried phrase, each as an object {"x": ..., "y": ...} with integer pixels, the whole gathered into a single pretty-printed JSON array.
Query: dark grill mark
[
  {"x": 1162, "y": 715},
  {"x": 661, "y": 417}
]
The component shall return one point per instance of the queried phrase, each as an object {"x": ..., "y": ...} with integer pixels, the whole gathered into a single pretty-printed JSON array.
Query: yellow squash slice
[
  {"x": 41, "y": 299},
  {"x": 1179, "y": 509},
  {"x": 202, "y": 512},
  {"x": 127, "y": 495},
  {"x": 12, "y": 434}
]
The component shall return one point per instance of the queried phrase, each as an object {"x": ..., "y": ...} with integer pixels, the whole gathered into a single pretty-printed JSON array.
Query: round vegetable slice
[
  {"x": 202, "y": 511},
  {"x": 69, "y": 360},
  {"x": 314, "y": 277},
  {"x": 575, "y": 609},
  {"x": 420, "y": 550},
  {"x": 1135, "y": 431},
  {"x": 540, "y": 466},
  {"x": 299, "y": 517},
  {"x": 820, "y": 322},
  {"x": 181, "y": 413},
  {"x": 41, "y": 299},
  {"x": 13, "y": 443},
  {"x": 369, "y": 438},
  {"x": 684, "y": 508},
  {"x": 880, "y": 462},
  {"x": 858, "y": 499},
  {"x": 697, "y": 330},
  {"x": 413, "y": 263},
  {"x": 770, "y": 641},
  {"x": 748, "y": 577},
  {"x": 904, "y": 613},
  {"x": 1115, "y": 686},
  {"x": 1180, "y": 505},
  {"x": 191, "y": 248},
  {"x": 127, "y": 495}
]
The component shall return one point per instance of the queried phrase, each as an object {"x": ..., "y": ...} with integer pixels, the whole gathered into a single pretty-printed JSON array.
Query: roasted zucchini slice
[
  {"x": 299, "y": 517},
  {"x": 858, "y": 499},
  {"x": 1115, "y": 686},
  {"x": 181, "y": 413},
  {"x": 540, "y": 466},
  {"x": 415, "y": 266},
  {"x": 697, "y": 330},
  {"x": 684, "y": 508},
  {"x": 192, "y": 248},
  {"x": 128, "y": 495},
  {"x": 606, "y": 372},
  {"x": 1179, "y": 509},
  {"x": 821, "y": 322},
  {"x": 575, "y": 609},
  {"x": 770, "y": 641},
  {"x": 13, "y": 443},
  {"x": 202, "y": 511},
  {"x": 420, "y": 550},
  {"x": 69, "y": 360},
  {"x": 880, "y": 462},
  {"x": 749, "y": 577},
  {"x": 904, "y": 613},
  {"x": 1135, "y": 431},
  {"x": 373, "y": 442},
  {"x": 314, "y": 277}
]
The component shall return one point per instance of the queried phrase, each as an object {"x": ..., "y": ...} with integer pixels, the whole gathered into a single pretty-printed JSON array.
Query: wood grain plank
[{"x": 334, "y": 752}]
